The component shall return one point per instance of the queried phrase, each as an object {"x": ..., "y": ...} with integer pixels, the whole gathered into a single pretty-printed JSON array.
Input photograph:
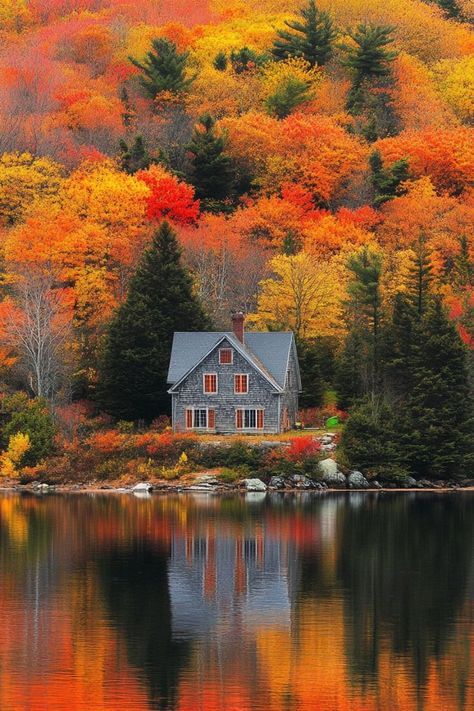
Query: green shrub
[
  {"x": 228, "y": 476},
  {"x": 237, "y": 454},
  {"x": 31, "y": 417}
]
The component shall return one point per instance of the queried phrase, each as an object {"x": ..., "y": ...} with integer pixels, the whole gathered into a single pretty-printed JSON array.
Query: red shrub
[{"x": 301, "y": 448}]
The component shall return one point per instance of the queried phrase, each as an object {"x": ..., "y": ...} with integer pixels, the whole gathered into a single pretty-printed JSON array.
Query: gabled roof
[{"x": 268, "y": 352}]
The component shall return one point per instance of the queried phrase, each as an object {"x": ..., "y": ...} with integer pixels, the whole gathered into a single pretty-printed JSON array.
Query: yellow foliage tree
[
  {"x": 26, "y": 180},
  {"x": 14, "y": 14},
  {"x": 456, "y": 84},
  {"x": 18, "y": 445},
  {"x": 303, "y": 295}
]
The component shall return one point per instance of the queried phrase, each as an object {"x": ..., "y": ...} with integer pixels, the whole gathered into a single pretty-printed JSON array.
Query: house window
[
  {"x": 200, "y": 418},
  {"x": 241, "y": 383},
  {"x": 210, "y": 383},
  {"x": 226, "y": 356},
  {"x": 251, "y": 419}
]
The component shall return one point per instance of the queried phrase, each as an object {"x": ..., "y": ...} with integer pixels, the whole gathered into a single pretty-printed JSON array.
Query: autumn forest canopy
[{"x": 314, "y": 164}]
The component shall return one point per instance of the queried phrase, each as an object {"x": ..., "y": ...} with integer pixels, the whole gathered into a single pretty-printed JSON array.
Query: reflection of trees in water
[
  {"x": 136, "y": 592},
  {"x": 404, "y": 563}
]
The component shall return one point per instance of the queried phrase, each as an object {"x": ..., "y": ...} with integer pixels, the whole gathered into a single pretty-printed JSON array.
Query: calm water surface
[{"x": 256, "y": 603}]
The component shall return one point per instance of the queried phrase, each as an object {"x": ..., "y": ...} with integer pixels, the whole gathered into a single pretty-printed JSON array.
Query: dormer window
[
  {"x": 226, "y": 356},
  {"x": 210, "y": 383}
]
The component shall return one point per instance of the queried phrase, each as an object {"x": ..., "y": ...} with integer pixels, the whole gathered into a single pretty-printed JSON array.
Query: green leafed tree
[
  {"x": 163, "y": 69},
  {"x": 212, "y": 173},
  {"x": 159, "y": 302},
  {"x": 312, "y": 37}
]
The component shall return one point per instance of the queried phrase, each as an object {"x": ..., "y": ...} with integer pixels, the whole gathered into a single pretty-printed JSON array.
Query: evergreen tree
[
  {"x": 366, "y": 305},
  {"x": 134, "y": 157},
  {"x": 420, "y": 277},
  {"x": 312, "y": 394},
  {"x": 212, "y": 168},
  {"x": 311, "y": 38},
  {"x": 290, "y": 94},
  {"x": 136, "y": 359},
  {"x": 370, "y": 439},
  {"x": 450, "y": 8},
  {"x": 163, "y": 69},
  {"x": 350, "y": 371},
  {"x": 368, "y": 59},
  {"x": 386, "y": 181},
  {"x": 397, "y": 344},
  {"x": 220, "y": 61},
  {"x": 245, "y": 59},
  {"x": 438, "y": 420}
]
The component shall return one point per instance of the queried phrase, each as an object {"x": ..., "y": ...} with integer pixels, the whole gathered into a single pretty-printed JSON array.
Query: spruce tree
[
  {"x": 366, "y": 304},
  {"x": 134, "y": 157},
  {"x": 136, "y": 359},
  {"x": 311, "y": 38},
  {"x": 163, "y": 69},
  {"x": 386, "y": 181},
  {"x": 438, "y": 422},
  {"x": 350, "y": 371},
  {"x": 312, "y": 394},
  {"x": 212, "y": 168}
]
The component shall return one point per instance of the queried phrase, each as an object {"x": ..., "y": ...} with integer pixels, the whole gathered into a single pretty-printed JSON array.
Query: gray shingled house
[{"x": 229, "y": 382}]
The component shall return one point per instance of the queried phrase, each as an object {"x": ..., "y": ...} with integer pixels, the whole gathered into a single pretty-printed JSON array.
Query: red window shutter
[
  {"x": 260, "y": 419},
  {"x": 239, "y": 419},
  {"x": 189, "y": 419},
  {"x": 245, "y": 383},
  {"x": 211, "y": 419}
]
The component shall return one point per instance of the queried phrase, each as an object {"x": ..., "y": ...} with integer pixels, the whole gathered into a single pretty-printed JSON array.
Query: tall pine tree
[
  {"x": 311, "y": 38},
  {"x": 212, "y": 169},
  {"x": 163, "y": 69},
  {"x": 159, "y": 302}
]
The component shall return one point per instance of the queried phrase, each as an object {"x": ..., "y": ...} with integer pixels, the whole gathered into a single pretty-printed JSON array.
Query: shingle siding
[{"x": 261, "y": 394}]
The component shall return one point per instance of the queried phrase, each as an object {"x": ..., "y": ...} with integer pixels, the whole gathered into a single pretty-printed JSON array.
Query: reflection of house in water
[{"x": 249, "y": 576}]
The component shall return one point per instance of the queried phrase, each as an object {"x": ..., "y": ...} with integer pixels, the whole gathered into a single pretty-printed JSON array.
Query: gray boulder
[
  {"x": 143, "y": 486},
  {"x": 206, "y": 479},
  {"x": 330, "y": 474},
  {"x": 277, "y": 482},
  {"x": 254, "y": 485},
  {"x": 299, "y": 481},
  {"x": 357, "y": 480}
]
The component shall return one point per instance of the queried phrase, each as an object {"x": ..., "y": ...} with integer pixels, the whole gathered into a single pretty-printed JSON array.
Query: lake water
[{"x": 252, "y": 603}]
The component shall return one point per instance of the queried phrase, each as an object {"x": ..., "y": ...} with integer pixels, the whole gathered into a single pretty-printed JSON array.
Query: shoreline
[{"x": 220, "y": 490}]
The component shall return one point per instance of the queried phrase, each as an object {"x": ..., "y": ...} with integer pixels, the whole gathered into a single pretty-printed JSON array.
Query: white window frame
[
  {"x": 248, "y": 384},
  {"x": 194, "y": 410},
  {"x": 231, "y": 350},
  {"x": 249, "y": 429},
  {"x": 206, "y": 392}
]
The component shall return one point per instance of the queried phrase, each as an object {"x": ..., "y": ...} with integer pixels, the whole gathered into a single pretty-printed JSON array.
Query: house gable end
[{"x": 226, "y": 342}]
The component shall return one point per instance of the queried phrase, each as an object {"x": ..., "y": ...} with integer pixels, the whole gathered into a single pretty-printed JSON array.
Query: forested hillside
[{"x": 316, "y": 162}]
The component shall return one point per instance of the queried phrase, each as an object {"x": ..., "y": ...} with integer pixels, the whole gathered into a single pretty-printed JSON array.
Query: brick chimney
[{"x": 238, "y": 319}]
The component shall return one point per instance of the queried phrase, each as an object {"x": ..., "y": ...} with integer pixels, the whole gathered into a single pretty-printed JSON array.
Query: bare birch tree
[{"x": 38, "y": 328}]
